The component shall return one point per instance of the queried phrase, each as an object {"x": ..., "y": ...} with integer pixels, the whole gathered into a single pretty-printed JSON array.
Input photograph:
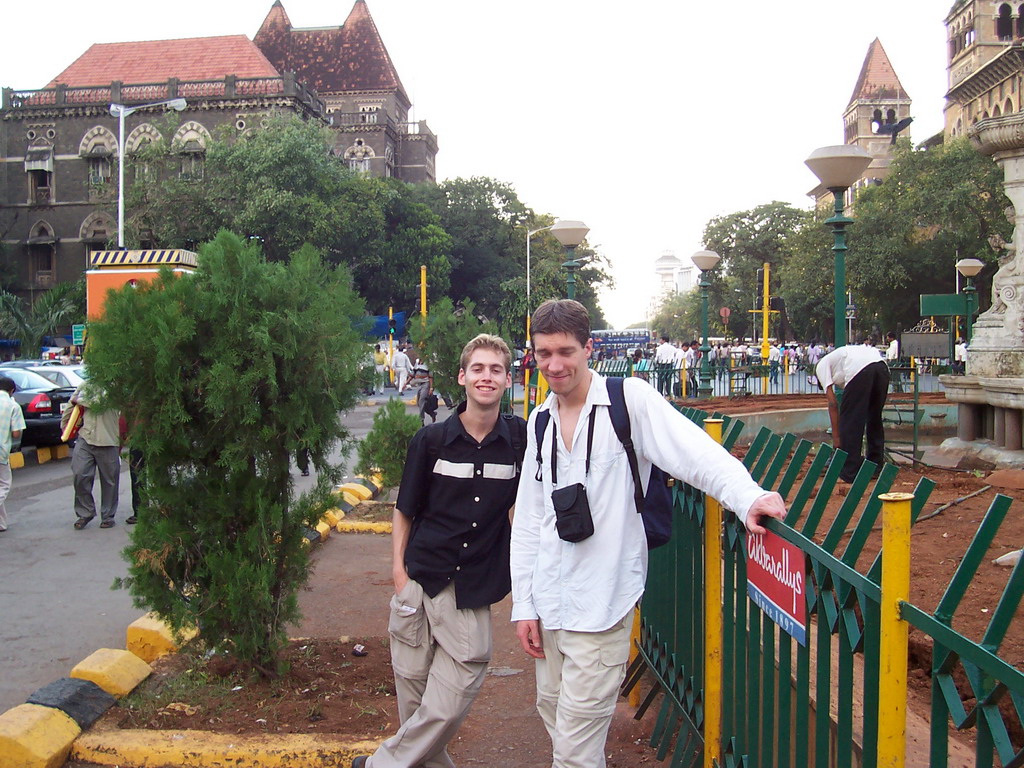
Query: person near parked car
[
  {"x": 450, "y": 544},
  {"x": 12, "y": 422},
  {"x": 97, "y": 450}
]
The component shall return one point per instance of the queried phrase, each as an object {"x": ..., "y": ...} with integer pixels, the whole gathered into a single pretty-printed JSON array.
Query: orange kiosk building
[{"x": 113, "y": 269}]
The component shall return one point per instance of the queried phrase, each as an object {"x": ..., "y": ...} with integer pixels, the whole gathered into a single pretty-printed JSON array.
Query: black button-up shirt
[{"x": 458, "y": 493}]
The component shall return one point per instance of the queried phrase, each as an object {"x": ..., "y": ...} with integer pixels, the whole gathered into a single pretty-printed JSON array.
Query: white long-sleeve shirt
[{"x": 590, "y": 585}]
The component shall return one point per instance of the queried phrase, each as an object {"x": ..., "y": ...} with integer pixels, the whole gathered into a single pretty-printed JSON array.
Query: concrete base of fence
[{"x": 937, "y": 419}]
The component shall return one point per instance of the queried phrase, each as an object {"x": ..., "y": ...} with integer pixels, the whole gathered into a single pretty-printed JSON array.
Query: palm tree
[{"x": 52, "y": 311}]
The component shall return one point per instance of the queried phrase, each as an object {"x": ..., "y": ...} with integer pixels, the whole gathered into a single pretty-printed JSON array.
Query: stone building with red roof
[{"x": 59, "y": 145}]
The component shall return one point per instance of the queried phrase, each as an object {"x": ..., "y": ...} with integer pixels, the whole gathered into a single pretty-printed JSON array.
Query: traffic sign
[
  {"x": 944, "y": 304},
  {"x": 78, "y": 335}
]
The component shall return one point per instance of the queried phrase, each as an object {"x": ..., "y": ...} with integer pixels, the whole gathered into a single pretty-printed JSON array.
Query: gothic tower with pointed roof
[
  {"x": 878, "y": 100},
  {"x": 350, "y": 68},
  {"x": 985, "y": 62}
]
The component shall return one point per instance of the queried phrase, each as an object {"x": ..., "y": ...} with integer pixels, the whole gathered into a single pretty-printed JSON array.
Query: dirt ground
[{"x": 346, "y": 601}]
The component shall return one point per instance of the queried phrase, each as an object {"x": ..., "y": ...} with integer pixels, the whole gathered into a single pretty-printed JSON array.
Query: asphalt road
[{"x": 56, "y": 601}]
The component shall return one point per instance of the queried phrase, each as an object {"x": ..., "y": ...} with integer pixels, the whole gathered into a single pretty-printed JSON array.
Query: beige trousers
[
  {"x": 439, "y": 654},
  {"x": 577, "y": 685}
]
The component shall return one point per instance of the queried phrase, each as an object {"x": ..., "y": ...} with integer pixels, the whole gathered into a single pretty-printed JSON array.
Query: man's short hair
[
  {"x": 486, "y": 341},
  {"x": 664, "y": 339},
  {"x": 562, "y": 316},
  {"x": 7, "y": 385}
]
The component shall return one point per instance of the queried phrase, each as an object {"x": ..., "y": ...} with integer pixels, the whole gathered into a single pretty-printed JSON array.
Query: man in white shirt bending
[
  {"x": 862, "y": 374},
  {"x": 573, "y": 601}
]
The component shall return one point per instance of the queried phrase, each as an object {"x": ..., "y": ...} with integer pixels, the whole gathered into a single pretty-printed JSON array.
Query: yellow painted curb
[
  {"x": 61, "y": 451},
  {"x": 200, "y": 749},
  {"x": 353, "y": 526},
  {"x": 372, "y": 481},
  {"x": 332, "y": 516},
  {"x": 17, "y": 460},
  {"x": 360, "y": 491},
  {"x": 32, "y": 736},
  {"x": 378, "y": 481},
  {"x": 43, "y": 454},
  {"x": 324, "y": 529},
  {"x": 116, "y": 672},
  {"x": 351, "y": 498},
  {"x": 149, "y": 638}
]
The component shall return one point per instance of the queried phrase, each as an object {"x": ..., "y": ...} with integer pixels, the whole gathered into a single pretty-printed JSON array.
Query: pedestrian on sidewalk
[
  {"x": 573, "y": 598},
  {"x": 450, "y": 544},
  {"x": 97, "y": 450},
  {"x": 380, "y": 366},
  {"x": 12, "y": 423},
  {"x": 401, "y": 366}
]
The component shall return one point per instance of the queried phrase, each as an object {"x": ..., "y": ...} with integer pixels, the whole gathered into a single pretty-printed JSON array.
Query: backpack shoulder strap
[
  {"x": 517, "y": 428},
  {"x": 620, "y": 423},
  {"x": 540, "y": 426},
  {"x": 432, "y": 436}
]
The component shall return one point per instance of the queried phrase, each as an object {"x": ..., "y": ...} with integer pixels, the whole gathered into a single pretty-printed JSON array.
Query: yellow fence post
[
  {"x": 892, "y": 670},
  {"x": 713, "y": 639}
]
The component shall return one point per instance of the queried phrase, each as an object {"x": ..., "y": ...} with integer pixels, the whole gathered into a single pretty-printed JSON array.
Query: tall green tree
[
  {"x": 282, "y": 187},
  {"x": 936, "y": 206},
  {"x": 223, "y": 375},
  {"x": 746, "y": 240}
]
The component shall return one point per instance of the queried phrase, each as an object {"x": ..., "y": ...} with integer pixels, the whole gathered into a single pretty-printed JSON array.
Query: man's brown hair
[
  {"x": 562, "y": 316},
  {"x": 486, "y": 341}
]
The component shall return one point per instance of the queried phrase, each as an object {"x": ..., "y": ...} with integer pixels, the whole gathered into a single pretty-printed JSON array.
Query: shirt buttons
[
  {"x": 458, "y": 567},
  {"x": 474, "y": 525},
  {"x": 465, "y": 544},
  {"x": 478, "y": 471},
  {"x": 476, "y": 498}
]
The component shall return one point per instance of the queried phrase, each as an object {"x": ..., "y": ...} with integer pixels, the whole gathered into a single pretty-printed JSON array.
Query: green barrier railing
[{"x": 786, "y": 704}]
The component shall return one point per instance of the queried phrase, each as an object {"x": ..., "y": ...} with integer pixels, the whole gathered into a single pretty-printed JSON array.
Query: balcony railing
[{"x": 229, "y": 87}]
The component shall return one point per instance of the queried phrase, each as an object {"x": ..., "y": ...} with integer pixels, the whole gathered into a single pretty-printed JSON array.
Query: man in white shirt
[
  {"x": 573, "y": 602},
  {"x": 402, "y": 367},
  {"x": 862, "y": 374},
  {"x": 664, "y": 363},
  {"x": 774, "y": 358},
  {"x": 960, "y": 356},
  {"x": 12, "y": 423}
]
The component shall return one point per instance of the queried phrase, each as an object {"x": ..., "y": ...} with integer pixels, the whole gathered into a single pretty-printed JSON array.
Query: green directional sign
[
  {"x": 78, "y": 335},
  {"x": 944, "y": 304}
]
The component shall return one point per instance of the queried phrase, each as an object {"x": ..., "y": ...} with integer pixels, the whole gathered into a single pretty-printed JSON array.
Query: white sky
[{"x": 644, "y": 119}]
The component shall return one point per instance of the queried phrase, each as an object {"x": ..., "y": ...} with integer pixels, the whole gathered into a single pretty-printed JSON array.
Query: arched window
[
  {"x": 1008, "y": 107},
  {"x": 996, "y": 112},
  {"x": 876, "y": 120},
  {"x": 41, "y": 244},
  {"x": 1004, "y": 23},
  {"x": 1020, "y": 21},
  {"x": 359, "y": 156},
  {"x": 190, "y": 143},
  {"x": 890, "y": 117}
]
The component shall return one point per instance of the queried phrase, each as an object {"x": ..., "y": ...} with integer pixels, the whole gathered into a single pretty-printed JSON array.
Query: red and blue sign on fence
[{"x": 777, "y": 580}]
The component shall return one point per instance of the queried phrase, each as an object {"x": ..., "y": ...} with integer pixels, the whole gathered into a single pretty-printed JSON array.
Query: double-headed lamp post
[
  {"x": 120, "y": 111},
  {"x": 838, "y": 168},
  {"x": 529, "y": 306},
  {"x": 969, "y": 268},
  {"x": 705, "y": 261},
  {"x": 570, "y": 234}
]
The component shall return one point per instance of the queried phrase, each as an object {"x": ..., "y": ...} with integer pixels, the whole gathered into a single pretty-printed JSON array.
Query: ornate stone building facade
[
  {"x": 58, "y": 145},
  {"x": 985, "y": 62}
]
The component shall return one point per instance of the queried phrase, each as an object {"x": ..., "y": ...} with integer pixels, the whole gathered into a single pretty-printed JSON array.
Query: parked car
[
  {"x": 42, "y": 403},
  {"x": 62, "y": 375}
]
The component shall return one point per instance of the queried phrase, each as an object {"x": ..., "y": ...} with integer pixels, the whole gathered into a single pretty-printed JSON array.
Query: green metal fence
[{"x": 786, "y": 704}]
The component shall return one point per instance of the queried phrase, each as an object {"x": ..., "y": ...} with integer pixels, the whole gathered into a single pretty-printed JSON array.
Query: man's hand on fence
[
  {"x": 768, "y": 505},
  {"x": 528, "y": 632}
]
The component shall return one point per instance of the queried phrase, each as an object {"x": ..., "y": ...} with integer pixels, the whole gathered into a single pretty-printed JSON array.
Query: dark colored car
[{"x": 42, "y": 403}]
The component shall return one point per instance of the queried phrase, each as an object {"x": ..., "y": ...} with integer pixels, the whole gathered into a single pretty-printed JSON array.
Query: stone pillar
[
  {"x": 967, "y": 426},
  {"x": 1013, "y": 429},
  {"x": 999, "y": 426}
]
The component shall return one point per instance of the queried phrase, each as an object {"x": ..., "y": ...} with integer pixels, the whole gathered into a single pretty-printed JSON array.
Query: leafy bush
[
  {"x": 384, "y": 447},
  {"x": 223, "y": 375}
]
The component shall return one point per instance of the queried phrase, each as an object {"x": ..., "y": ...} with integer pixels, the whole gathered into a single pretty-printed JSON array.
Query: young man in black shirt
[{"x": 451, "y": 559}]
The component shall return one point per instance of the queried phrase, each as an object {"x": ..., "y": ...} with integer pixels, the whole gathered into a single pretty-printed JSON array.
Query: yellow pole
[
  {"x": 892, "y": 671},
  {"x": 634, "y": 649},
  {"x": 423, "y": 291},
  {"x": 713, "y": 638},
  {"x": 391, "y": 345},
  {"x": 765, "y": 311}
]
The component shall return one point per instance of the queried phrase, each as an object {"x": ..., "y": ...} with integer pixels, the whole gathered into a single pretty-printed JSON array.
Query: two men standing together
[{"x": 455, "y": 552}]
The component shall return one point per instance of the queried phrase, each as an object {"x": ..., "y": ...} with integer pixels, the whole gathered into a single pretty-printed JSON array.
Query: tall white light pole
[
  {"x": 120, "y": 111},
  {"x": 529, "y": 306}
]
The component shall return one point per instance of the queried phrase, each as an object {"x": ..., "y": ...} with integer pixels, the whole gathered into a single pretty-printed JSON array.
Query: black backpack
[{"x": 656, "y": 506}]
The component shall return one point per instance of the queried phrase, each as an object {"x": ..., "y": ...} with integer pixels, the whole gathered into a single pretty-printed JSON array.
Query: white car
[{"x": 62, "y": 375}]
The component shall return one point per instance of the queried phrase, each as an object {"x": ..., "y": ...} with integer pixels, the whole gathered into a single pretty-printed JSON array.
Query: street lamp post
[
  {"x": 705, "y": 261},
  {"x": 838, "y": 168},
  {"x": 969, "y": 268},
  {"x": 529, "y": 306},
  {"x": 570, "y": 234},
  {"x": 120, "y": 111}
]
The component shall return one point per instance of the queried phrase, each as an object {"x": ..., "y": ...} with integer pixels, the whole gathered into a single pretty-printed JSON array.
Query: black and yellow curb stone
[{"x": 40, "y": 455}]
